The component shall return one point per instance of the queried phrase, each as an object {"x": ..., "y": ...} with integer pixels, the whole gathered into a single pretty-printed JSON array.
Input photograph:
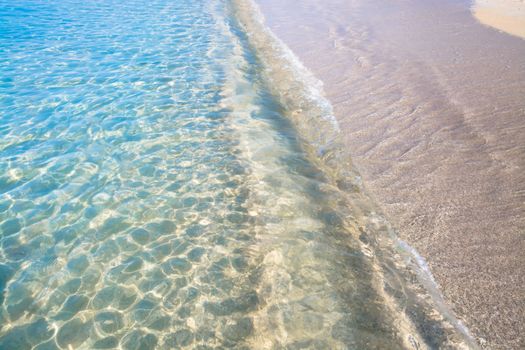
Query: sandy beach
[
  {"x": 431, "y": 104},
  {"x": 505, "y": 15}
]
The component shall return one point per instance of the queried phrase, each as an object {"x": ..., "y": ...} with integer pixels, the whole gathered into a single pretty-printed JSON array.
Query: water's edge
[{"x": 398, "y": 263}]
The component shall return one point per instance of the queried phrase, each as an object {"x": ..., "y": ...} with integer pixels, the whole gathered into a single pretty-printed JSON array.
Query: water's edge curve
[{"x": 399, "y": 264}]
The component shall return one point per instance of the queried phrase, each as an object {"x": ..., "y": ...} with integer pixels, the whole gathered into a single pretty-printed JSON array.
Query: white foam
[
  {"x": 425, "y": 275},
  {"x": 312, "y": 87}
]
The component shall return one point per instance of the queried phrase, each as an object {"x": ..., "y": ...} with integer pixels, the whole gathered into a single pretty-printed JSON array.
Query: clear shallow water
[{"x": 153, "y": 195}]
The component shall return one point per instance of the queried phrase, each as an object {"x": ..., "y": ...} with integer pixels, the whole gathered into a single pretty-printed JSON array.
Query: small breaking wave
[{"x": 404, "y": 272}]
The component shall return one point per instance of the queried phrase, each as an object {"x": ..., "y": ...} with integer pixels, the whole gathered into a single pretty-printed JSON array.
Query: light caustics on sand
[
  {"x": 505, "y": 15},
  {"x": 157, "y": 191}
]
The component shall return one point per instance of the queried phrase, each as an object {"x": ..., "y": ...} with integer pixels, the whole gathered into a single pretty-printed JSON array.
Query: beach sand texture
[
  {"x": 506, "y": 15},
  {"x": 432, "y": 107}
]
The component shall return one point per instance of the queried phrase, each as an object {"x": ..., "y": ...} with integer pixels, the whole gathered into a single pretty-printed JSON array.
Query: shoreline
[
  {"x": 303, "y": 97},
  {"x": 312, "y": 115},
  {"x": 413, "y": 133}
]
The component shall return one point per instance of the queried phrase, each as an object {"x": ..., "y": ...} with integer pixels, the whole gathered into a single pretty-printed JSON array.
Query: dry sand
[
  {"x": 505, "y": 15},
  {"x": 432, "y": 107}
]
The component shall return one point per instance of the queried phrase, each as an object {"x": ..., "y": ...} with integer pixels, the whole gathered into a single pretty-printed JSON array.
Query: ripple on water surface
[{"x": 152, "y": 194}]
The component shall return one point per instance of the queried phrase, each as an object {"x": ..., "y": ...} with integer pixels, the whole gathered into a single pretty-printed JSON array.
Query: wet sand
[{"x": 432, "y": 107}]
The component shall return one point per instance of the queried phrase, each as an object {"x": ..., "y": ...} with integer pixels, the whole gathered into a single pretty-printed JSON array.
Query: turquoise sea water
[{"x": 153, "y": 194}]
